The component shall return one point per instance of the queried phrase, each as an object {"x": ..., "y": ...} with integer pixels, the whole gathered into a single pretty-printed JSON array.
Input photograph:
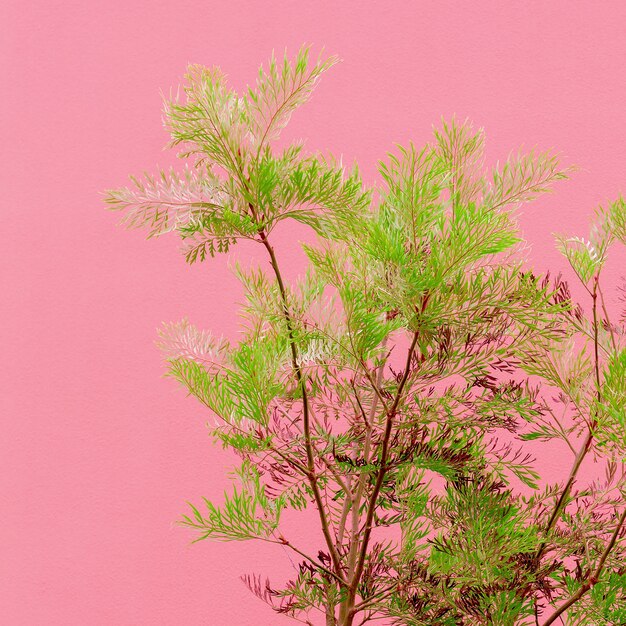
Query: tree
[{"x": 392, "y": 389}]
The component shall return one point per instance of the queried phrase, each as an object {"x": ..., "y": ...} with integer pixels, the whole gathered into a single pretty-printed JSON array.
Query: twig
[
  {"x": 593, "y": 579},
  {"x": 589, "y": 439},
  {"x": 285, "y": 542}
]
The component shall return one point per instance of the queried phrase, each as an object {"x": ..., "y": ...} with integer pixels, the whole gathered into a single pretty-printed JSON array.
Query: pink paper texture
[{"x": 99, "y": 453}]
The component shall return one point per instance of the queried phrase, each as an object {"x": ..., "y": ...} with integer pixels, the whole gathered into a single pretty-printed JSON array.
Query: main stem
[{"x": 311, "y": 473}]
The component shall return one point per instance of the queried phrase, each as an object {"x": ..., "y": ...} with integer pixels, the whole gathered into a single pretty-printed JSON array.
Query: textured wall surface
[{"x": 98, "y": 453}]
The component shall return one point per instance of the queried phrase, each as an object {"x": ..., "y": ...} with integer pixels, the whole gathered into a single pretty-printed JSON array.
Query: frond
[
  {"x": 247, "y": 512},
  {"x": 566, "y": 366},
  {"x": 476, "y": 232},
  {"x": 206, "y": 384},
  {"x": 209, "y": 122},
  {"x": 414, "y": 180},
  {"x": 469, "y": 553},
  {"x": 522, "y": 178},
  {"x": 280, "y": 90},
  {"x": 611, "y": 221},
  {"x": 318, "y": 192},
  {"x": 182, "y": 340},
  {"x": 167, "y": 201},
  {"x": 241, "y": 388},
  {"x": 237, "y": 384},
  {"x": 461, "y": 151},
  {"x": 585, "y": 258},
  {"x": 612, "y": 426},
  {"x": 209, "y": 233}
]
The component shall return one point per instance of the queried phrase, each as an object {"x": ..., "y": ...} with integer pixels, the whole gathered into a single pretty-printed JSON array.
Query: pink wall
[{"x": 99, "y": 453}]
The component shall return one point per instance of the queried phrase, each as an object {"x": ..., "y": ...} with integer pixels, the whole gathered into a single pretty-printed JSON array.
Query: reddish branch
[
  {"x": 371, "y": 505},
  {"x": 562, "y": 501},
  {"x": 594, "y": 578},
  {"x": 306, "y": 419}
]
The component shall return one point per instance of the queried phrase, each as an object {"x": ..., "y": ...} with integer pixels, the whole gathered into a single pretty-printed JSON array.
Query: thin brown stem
[
  {"x": 306, "y": 418},
  {"x": 338, "y": 479},
  {"x": 536, "y": 612},
  {"x": 606, "y": 318},
  {"x": 375, "y": 384},
  {"x": 285, "y": 542},
  {"x": 593, "y": 579},
  {"x": 347, "y": 504},
  {"x": 361, "y": 483},
  {"x": 352, "y": 501},
  {"x": 596, "y": 342},
  {"x": 371, "y": 505},
  {"x": 582, "y": 453},
  {"x": 589, "y": 439}
]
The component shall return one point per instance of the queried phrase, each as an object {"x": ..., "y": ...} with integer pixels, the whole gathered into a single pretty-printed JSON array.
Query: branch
[
  {"x": 593, "y": 579},
  {"x": 285, "y": 542},
  {"x": 582, "y": 453},
  {"x": 371, "y": 506},
  {"x": 361, "y": 483},
  {"x": 311, "y": 475},
  {"x": 589, "y": 440}
]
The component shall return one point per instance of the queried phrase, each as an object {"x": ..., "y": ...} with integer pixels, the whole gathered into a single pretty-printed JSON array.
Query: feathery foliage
[{"x": 399, "y": 390}]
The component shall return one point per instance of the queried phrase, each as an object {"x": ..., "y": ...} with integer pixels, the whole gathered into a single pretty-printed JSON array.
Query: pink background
[{"x": 99, "y": 453}]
